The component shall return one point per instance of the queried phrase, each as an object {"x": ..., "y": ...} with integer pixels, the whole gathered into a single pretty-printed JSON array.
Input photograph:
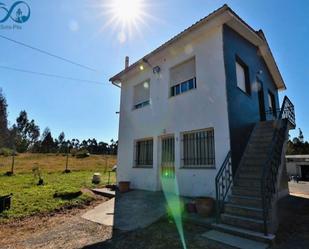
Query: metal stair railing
[
  {"x": 285, "y": 117},
  {"x": 224, "y": 180}
]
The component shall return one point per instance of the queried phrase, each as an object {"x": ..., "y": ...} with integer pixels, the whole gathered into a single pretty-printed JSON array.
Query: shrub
[
  {"x": 68, "y": 194},
  {"x": 37, "y": 174},
  {"x": 73, "y": 152},
  {"x": 6, "y": 152},
  {"x": 82, "y": 153}
]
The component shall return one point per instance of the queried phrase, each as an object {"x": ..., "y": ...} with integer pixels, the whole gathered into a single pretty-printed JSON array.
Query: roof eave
[
  {"x": 235, "y": 22},
  {"x": 172, "y": 40}
]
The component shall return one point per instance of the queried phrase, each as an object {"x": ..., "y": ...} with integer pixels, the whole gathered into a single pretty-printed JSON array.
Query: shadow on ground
[
  {"x": 293, "y": 229},
  {"x": 292, "y": 233},
  {"x": 141, "y": 221},
  {"x": 162, "y": 234}
]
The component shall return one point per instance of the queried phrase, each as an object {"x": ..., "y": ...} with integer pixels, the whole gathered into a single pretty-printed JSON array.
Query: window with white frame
[
  {"x": 272, "y": 103},
  {"x": 142, "y": 94},
  {"x": 198, "y": 148},
  {"x": 242, "y": 75},
  {"x": 183, "y": 77},
  {"x": 144, "y": 153}
]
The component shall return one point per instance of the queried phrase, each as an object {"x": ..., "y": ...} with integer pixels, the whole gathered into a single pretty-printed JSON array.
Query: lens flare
[
  {"x": 126, "y": 17},
  {"x": 174, "y": 203},
  {"x": 127, "y": 11}
]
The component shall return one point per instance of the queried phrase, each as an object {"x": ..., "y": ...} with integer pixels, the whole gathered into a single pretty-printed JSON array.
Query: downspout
[{"x": 113, "y": 82}]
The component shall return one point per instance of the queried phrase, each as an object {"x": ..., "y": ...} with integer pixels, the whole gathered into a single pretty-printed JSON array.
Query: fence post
[
  {"x": 13, "y": 162},
  {"x": 67, "y": 160}
]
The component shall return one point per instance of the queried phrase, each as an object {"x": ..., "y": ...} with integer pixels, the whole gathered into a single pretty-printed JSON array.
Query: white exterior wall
[{"x": 203, "y": 107}]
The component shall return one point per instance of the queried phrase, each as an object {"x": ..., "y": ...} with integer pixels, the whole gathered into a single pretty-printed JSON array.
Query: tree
[
  {"x": 113, "y": 147},
  {"x": 298, "y": 146},
  {"x": 62, "y": 145},
  {"x": 4, "y": 132},
  {"x": 301, "y": 136},
  {"x": 47, "y": 144},
  {"x": 26, "y": 132}
]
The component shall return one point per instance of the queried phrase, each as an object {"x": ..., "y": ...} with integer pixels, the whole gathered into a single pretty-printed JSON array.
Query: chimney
[{"x": 126, "y": 62}]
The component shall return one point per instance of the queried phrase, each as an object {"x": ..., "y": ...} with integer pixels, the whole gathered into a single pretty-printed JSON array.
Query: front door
[
  {"x": 261, "y": 102},
  {"x": 168, "y": 157}
]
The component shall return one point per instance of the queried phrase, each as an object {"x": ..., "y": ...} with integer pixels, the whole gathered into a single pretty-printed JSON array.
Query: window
[
  {"x": 183, "y": 87},
  {"x": 144, "y": 153},
  {"x": 272, "y": 103},
  {"x": 242, "y": 75},
  {"x": 183, "y": 77},
  {"x": 199, "y": 148},
  {"x": 142, "y": 94}
]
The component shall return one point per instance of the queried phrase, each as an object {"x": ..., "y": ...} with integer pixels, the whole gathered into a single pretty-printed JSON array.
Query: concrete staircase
[{"x": 243, "y": 214}]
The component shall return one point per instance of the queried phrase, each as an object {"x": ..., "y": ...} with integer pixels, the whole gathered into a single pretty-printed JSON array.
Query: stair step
[
  {"x": 252, "y": 167},
  {"x": 255, "y": 160},
  {"x": 217, "y": 239},
  {"x": 244, "y": 211},
  {"x": 260, "y": 144},
  {"x": 248, "y": 191},
  {"x": 245, "y": 233},
  {"x": 255, "y": 150},
  {"x": 246, "y": 174},
  {"x": 265, "y": 133},
  {"x": 261, "y": 139},
  {"x": 248, "y": 182},
  {"x": 246, "y": 200},
  {"x": 266, "y": 124},
  {"x": 243, "y": 222}
]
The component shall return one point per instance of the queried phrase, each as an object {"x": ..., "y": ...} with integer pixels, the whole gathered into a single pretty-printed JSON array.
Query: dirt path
[{"x": 64, "y": 229}]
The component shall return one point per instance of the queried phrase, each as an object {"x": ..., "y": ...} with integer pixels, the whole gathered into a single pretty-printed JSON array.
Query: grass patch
[{"x": 59, "y": 190}]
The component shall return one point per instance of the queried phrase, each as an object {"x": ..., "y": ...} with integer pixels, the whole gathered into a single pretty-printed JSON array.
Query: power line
[
  {"x": 49, "y": 75},
  {"x": 47, "y": 53}
]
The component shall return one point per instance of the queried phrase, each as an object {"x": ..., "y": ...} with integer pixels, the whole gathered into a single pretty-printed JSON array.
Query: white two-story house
[
  {"x": 203, "y": 109},
  {"x": 190, "y": 102}
]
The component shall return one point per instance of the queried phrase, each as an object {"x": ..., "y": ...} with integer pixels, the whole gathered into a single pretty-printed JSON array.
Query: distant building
[{"x": 298, "y": 165}]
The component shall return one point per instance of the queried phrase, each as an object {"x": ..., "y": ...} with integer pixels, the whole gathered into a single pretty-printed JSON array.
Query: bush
[
  {"x": 68, "y": 194},
  {"x": 6, "y": 152},
  {"x": 73, "y": 152},
  {"x": 82, "y": 153}
]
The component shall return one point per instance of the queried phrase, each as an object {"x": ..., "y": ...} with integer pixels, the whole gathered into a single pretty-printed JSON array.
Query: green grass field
[{"x": 29, "y": 199}]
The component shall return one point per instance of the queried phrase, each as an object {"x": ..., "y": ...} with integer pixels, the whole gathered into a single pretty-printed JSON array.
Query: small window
[
  {"x": 242, "y": 75},
  {"x": 272, "y": 103},
  {"x": 183, "y": 77},
  {"x": 144, "y": 153},
  {"x": 199, "y": 148},
  {"x": 142, "y": 94}
]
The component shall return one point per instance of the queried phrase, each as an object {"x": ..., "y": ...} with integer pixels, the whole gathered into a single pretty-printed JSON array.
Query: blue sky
[{"x": 74, "y": 30}]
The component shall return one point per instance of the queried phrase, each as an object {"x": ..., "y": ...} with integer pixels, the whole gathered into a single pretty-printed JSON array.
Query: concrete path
[
  {"x": 129, "y": 211},
  {"x": 104, "y": 192},
  {"x": 102, "y": 214}
]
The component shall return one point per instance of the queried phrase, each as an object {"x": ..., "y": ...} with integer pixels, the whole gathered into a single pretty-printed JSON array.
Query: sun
[
  {"x": 127, "y": 11},
  {"x": 126, "y": 17}
]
